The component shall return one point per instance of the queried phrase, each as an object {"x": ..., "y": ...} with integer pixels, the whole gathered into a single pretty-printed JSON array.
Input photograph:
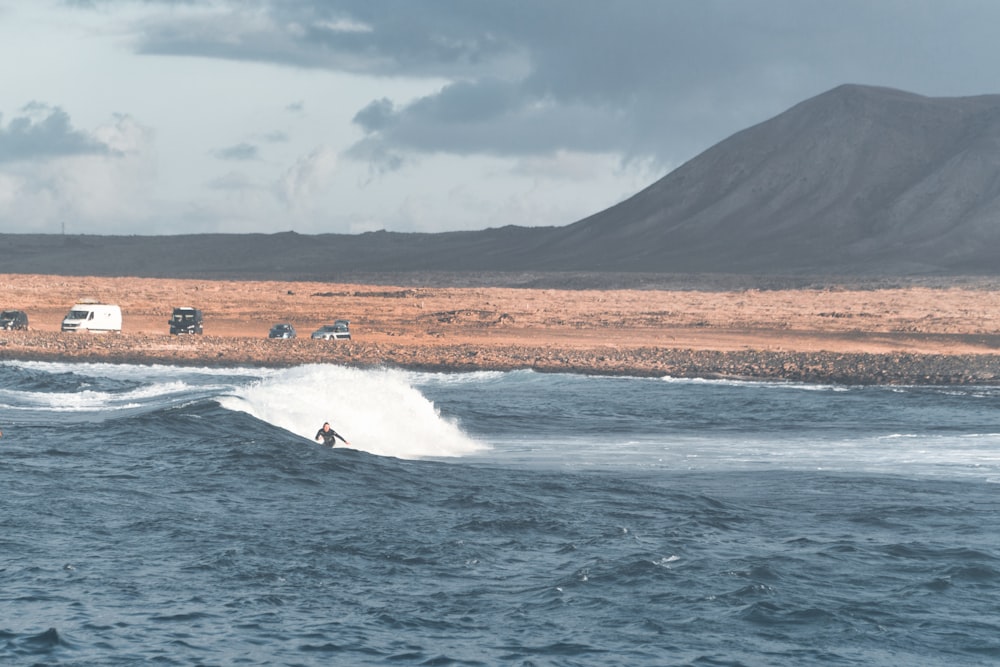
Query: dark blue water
[{"x": 183, "y": 517}]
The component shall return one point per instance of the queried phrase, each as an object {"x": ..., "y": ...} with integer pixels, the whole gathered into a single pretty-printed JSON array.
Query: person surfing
[{"x": 328, "y": 436}]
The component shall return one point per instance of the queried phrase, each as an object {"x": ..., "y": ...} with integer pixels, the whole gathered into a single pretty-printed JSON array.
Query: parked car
[
  {"x": 93, "y": 317},
  {"x": 14, "y": 319},
  {"x": 281, "y": 331},
  {"x": 339, "y": 330},
  {"x": 186, "y": 320}
]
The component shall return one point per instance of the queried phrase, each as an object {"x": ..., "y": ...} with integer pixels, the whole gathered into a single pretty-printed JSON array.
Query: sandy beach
[{"x": 832, "y": 334}]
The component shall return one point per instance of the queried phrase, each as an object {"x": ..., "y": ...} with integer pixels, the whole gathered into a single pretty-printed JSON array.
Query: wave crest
[{"x": 378, "y": 411}]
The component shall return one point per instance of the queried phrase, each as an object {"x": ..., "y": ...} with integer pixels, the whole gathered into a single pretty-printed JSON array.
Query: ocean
[{"x": 184, "y": 516}]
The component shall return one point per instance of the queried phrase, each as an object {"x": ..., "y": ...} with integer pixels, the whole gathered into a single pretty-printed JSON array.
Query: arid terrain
[{"x": 840, "y": 334}]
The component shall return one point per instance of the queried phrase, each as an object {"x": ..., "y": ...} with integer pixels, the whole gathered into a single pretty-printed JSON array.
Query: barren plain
[{"x": 909, "y": 334}]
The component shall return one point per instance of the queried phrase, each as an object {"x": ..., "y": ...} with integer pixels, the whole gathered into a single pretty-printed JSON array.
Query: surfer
[{"x": 328, "y": 436}]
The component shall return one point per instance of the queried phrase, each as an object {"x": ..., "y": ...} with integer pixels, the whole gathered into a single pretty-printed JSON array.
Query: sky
[{"x": 349, "y": 116}]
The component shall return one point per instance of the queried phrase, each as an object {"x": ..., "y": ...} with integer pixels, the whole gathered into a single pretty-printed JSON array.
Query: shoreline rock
[{"x": 751, "y": 365}]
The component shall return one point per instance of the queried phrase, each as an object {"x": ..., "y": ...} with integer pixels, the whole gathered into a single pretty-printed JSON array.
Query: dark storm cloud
[
  {"x": 43, "y": 132},
  {"x": 641, "y": 78},
  {"x": 378, "y": 115}
]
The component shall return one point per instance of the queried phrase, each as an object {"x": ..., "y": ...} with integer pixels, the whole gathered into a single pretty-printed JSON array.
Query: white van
[{"x": 93, "y": 317}]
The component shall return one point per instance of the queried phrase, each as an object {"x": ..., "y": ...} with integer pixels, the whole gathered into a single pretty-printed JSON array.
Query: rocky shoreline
[
  {"x": 854, "y": 334},
  {"x": 769, "y": 365}
]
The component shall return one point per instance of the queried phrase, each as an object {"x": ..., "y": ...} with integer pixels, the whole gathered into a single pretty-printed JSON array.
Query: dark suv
[
  {"x": 185, "y": 321},
  {"x": 14, "y": 319},
  {"x": 281, "y": 331}
]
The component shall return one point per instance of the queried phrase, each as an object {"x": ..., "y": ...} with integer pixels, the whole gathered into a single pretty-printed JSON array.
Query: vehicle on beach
[
  {"x": 339, "y": 330},
  {"x": 93, "y": 317},
  {"x": 283, "y": 330},
  {"x": 186, "y": 320},
  {"x": 14, "y": 319}
]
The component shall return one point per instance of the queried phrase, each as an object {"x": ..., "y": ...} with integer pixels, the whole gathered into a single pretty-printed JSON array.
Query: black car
[
  {"x": 281, "y": 331},
  {"x": 186, "y": 321},
  {"x": 14, "y": 319}
]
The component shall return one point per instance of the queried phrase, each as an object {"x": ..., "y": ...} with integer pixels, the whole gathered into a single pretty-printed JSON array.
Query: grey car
[{"x": 339, "y": 330}]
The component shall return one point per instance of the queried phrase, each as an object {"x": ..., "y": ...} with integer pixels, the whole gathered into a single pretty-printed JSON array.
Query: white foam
[
  {"x": 377, "y": 411},
  {"x": 756, "y": 384},
  {"x": 89, "y": 400},
  {"x": 132, "y": 371}
]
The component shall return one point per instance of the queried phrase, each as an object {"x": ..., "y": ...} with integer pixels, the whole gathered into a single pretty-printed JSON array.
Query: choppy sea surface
[{"x": 178, "y": 516}]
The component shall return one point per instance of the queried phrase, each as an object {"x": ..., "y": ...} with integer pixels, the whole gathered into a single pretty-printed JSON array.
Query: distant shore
[{"x": 909, "y": 335}]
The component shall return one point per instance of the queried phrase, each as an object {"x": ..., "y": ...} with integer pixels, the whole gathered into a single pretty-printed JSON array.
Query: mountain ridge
[
  {"x": 858, "y": 171},
  {"x": 858, "y": 180}
]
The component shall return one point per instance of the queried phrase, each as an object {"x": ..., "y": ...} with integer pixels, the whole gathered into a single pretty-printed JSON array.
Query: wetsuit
[{"x": 329, "y": 437}]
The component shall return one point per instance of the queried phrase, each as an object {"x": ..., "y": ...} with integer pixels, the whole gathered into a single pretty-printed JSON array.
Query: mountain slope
[{"x": 857, "y": 180}]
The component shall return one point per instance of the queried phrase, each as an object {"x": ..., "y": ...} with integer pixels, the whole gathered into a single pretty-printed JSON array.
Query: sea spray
[{"x": 377, "y": 411}]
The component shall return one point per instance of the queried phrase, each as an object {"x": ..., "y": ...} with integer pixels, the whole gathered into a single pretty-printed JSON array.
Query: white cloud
[
  {"x": 42, "y": 132},
  {"x": 431, "y": 116},
  {"x": 109, "y": 188},
  {"x": 310, "y": 176}
]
